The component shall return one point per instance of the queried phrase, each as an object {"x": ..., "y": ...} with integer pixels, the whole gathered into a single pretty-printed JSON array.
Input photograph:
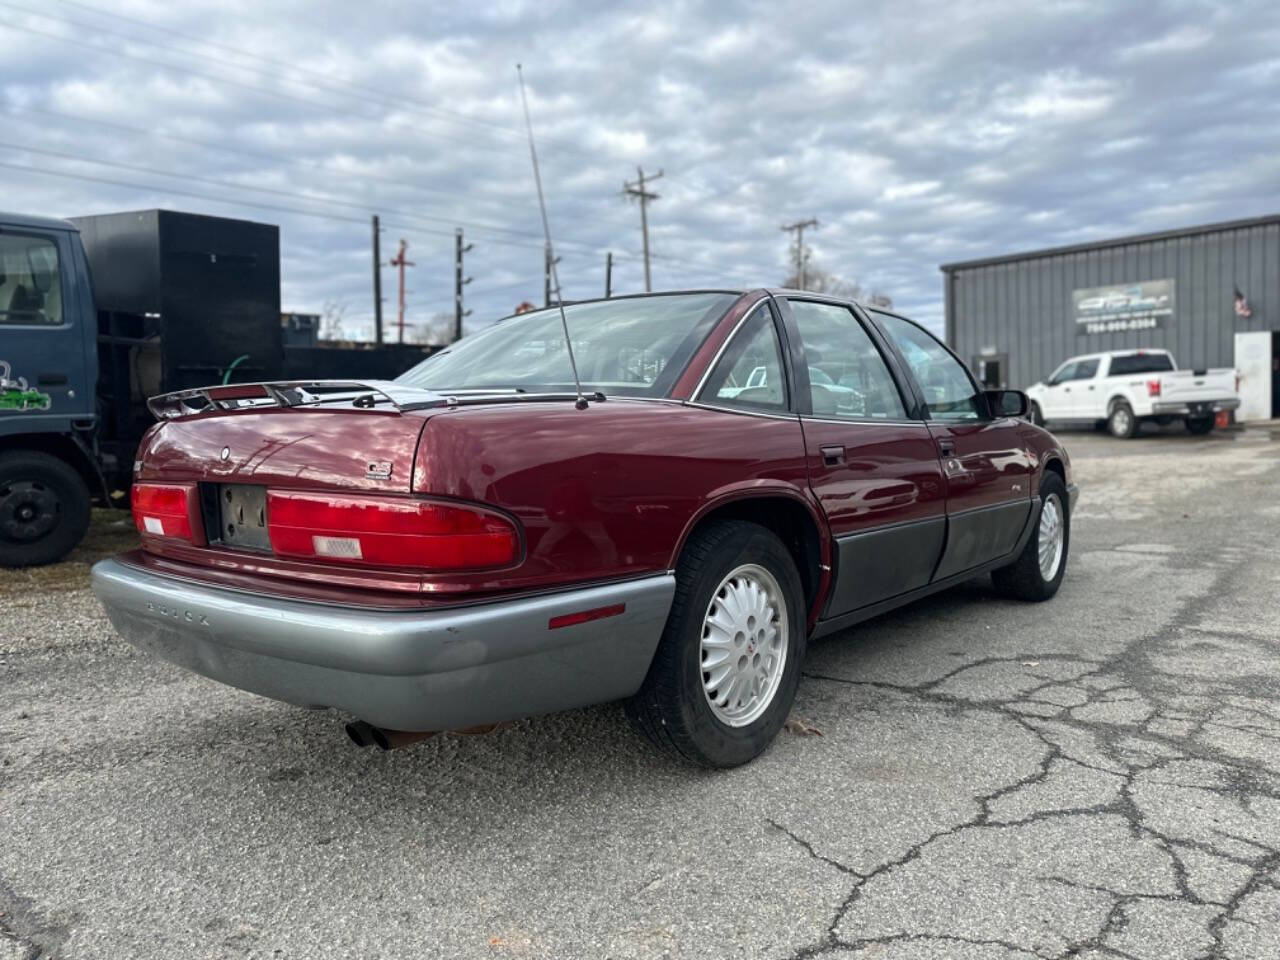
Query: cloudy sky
[{"x": 916, "y": 133}]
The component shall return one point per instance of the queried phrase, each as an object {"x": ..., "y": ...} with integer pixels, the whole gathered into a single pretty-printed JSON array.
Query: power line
[
  {"x": 234, "y": 185},
  {"x": 329, "y": 82},
  {"x": 281, "y": 95},
  {"x": 278, "y": 157},
  {"x": 377, "y": 98}
]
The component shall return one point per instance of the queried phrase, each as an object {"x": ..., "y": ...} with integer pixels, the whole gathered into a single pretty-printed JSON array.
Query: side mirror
[{"x": 1008, "y": 403}]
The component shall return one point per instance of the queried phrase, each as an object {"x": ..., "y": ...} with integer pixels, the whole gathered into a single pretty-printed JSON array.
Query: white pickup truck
[{"x": 1125, "y": 388}]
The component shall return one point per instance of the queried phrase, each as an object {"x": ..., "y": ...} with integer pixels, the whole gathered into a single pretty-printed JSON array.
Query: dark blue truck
[
  {"x": 175, "y": 300},
  {"x": 50, "y": 469}
]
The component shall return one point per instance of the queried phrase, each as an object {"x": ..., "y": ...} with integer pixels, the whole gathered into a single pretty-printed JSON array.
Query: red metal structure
[{"x": 400, "y": 262}]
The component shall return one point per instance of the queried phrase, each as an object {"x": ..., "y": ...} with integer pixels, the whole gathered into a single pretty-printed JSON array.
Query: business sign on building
[{"x": 1125, "y": 306}]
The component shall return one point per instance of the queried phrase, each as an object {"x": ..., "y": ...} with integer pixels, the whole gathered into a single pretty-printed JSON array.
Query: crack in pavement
[{"x": 1136, "y": 753}]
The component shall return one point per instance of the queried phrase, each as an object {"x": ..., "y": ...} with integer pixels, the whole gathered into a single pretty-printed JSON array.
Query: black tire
[
  {"x": 1199, "y": 426},
  {"x": 672, "y": 709},
  {"x": 1036, "y": 416},
  {"x": 44, "y": 508},
  {"x": 1121, "y": 422},
  {"x": 1023, "y": 579}
]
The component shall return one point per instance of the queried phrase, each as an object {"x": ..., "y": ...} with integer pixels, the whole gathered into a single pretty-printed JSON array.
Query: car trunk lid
[{"x": 322, "y": 448}]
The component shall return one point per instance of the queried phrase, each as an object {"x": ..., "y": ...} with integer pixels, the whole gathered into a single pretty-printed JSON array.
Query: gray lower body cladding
[{"x": 420, "y": 670}]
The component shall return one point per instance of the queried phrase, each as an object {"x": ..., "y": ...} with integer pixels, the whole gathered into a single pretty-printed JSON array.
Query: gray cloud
[{"x": 916, "y": 132}]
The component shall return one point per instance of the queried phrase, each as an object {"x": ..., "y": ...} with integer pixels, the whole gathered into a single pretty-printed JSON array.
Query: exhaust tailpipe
[{"x": 361, "y": 733}]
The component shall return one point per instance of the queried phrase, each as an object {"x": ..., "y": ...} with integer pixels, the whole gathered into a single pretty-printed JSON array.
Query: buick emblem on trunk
[{"x": 378, "y": 470}]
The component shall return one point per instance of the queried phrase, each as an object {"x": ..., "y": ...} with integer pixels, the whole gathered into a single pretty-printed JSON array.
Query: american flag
[{"x": 1242, "y": 305}]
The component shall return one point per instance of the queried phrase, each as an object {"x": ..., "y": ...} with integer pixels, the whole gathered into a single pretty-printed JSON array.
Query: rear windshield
[
  {"x": 1140, "y": 363},
  {"x": 634, "y": 346}
]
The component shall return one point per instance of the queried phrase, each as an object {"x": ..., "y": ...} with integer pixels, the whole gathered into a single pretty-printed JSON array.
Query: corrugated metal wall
[{"x": 1023, "y": 308}]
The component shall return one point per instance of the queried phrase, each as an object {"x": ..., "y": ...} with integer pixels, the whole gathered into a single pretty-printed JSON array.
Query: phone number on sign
[{"x": 1116, "y": 326}]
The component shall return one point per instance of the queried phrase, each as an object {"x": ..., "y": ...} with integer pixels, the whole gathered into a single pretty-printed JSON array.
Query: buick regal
[{"x": 476, "y": 541}]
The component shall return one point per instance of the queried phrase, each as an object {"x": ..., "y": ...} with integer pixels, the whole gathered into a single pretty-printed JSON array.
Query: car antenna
[{"x": 581, "y": 402}]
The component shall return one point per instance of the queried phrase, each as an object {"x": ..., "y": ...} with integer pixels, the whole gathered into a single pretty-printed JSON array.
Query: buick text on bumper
[{"x": 437, "y": 669}]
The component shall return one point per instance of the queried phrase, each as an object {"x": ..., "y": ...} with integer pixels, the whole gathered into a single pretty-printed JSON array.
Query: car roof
[{"x": 42, "y": 223}]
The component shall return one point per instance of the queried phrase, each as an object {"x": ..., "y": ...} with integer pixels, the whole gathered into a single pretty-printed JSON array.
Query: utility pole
[
  {"x": 399, "y": 261},
  {"x": 458, "y": 283},
  {"x": 801, "y": 257},
  {"x": 377, "y": 282},
  {"x": 637, "y": 190},
  {"x": 547, "y": 264},
  {"x": 608, "y": 275}
]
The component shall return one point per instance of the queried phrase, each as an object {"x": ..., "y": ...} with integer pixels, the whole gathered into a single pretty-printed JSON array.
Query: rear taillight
[
  {"x": 390, "y": 531},
  {"x": 167, "y": 510},
  {"x": 1153, "y": 388}
]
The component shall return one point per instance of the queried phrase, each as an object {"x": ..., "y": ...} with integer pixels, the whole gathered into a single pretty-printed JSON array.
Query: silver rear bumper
[
  {"x": 417, "y": 670},
  {"x": 1211, "y": 406}
]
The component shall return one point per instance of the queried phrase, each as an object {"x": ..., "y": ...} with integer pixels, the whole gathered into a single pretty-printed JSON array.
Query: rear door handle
[
  {"x": 947, "y": 447},
  {"x": 832, "y": 454}
]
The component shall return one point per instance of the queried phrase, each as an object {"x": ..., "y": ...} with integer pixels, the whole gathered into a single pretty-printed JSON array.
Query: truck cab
[{"x": 49, "y": 470}]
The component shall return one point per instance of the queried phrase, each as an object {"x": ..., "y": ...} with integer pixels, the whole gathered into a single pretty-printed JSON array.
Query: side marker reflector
[{"x": 585, "y": 616}]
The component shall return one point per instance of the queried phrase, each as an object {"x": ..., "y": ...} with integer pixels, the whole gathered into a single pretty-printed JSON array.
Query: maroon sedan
[{"x": 467, "y": 545}]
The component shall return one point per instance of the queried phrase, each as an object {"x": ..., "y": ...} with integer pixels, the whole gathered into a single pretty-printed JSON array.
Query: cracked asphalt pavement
[{"x": 1098, "y": 776}]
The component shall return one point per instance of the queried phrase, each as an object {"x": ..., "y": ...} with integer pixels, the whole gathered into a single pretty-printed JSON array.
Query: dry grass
[{"x": 110, "y": 532}]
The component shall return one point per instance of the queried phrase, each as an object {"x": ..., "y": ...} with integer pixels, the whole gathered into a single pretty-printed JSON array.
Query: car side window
[
  {"x": 1086, "y": 369},
  {"x": 749, "y": 372},
  {"x": 848, "y": 378},
  {"x": 949, "y": 391},
  {"x": 30, "y": 281},
  {"x": 1064, "y": 373}
]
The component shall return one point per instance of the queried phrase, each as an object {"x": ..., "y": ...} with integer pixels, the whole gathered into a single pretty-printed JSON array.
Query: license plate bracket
[{"x": 242, "y": 516}]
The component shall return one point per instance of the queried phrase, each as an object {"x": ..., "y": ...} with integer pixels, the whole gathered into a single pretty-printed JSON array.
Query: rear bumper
[
  {"x": 420, "y": 670},
  {"x": 1199, "y": 406}
]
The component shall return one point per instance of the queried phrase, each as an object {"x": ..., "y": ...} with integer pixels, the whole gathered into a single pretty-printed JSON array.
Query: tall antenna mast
[{"x": 581, "y": 402}]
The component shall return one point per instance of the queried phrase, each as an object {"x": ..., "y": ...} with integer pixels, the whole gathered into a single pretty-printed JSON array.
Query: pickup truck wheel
[
  {"x": 1121, "y": 422},
  {"x": 44, "y": 508},
  {"x": 1038, "y": 571},
  {"x": 725, "y": 674},
  {"x": 1199, "y": 426}
]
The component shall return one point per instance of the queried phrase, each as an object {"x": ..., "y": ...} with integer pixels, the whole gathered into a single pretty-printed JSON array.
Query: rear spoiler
[{"x": 364, "y": 394}]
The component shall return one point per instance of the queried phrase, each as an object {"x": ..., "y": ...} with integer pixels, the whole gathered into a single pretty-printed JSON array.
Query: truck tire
[
  {"x": 1199, "y": 426},
  {"x": 1038, "y": 571},
  {"x": 44, "y": 508},
  {"x": 1121, "y": 422},
  {"x": 726, "y": 670}
]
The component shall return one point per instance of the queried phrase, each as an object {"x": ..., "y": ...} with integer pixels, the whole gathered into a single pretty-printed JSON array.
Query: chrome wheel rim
[
  {"x": 743, "y": 649},
  {"x": 1120, "y": 421},
  {"x": 1052, "y": 536}
]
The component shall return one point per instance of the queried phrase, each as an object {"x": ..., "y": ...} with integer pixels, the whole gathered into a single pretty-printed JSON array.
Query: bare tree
[
  {"x": 818, "y": 280},
  {"x": 437, "y": 330},
  {"x": 331, "y": 316}
]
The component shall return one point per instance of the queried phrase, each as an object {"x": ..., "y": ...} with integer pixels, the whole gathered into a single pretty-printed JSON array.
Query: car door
[
  {"x": 984, "y": 459},
  {"x": 872, "y": 465},
  {"x": 1055, "y": 400},
  {"x": 42, "y": 329},
  {"x": 1085, "y": 392}
]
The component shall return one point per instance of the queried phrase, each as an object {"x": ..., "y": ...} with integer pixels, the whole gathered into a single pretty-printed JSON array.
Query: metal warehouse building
[{"x": 1209, "y": 294}]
